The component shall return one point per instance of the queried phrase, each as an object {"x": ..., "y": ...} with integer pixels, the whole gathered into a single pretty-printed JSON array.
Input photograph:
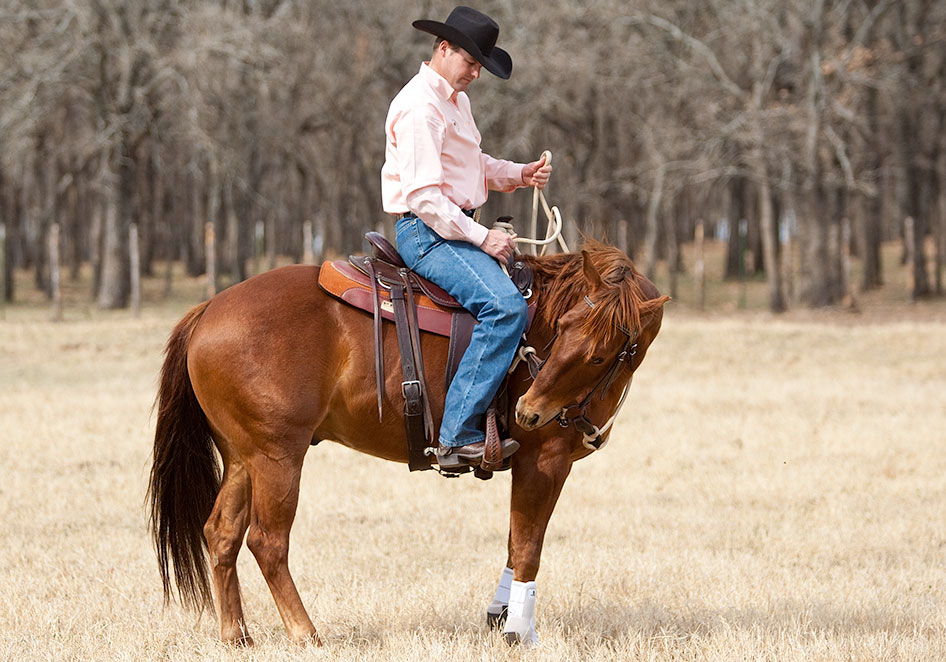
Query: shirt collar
[{"x": 438, "y": 83}]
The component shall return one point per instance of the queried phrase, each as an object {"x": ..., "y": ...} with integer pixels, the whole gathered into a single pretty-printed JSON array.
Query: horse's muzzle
[{"x": 528, "y": 418}]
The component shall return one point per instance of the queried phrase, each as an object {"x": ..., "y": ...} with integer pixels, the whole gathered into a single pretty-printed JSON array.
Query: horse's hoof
[
  {"x": 242, "y": 641},
  {"x": 310, "y": 640},
  {"x": 497, "y": 621},
  {"x": 512, "y": 638}
]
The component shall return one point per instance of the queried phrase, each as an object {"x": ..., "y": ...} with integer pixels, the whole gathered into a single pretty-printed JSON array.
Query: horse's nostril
[{"x": 533, "y": 420}]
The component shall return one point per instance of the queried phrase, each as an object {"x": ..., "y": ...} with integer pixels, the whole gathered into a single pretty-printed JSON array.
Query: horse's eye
[{"x": 597, "y": 360}]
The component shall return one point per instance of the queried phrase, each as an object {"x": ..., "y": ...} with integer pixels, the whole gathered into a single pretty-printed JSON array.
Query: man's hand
[
  {"x": 537, "y": 173},
  {"x": 499, "y": 245}
]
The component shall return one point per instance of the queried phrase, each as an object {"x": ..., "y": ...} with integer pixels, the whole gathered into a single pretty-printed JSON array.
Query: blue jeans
[{"x": 478, "y": 282}]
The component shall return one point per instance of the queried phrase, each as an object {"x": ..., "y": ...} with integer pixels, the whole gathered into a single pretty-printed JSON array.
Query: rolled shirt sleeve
[{"x": 503, "y": 176}]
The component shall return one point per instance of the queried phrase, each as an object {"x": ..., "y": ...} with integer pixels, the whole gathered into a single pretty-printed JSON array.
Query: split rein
[{"x": 592, "y": 436}]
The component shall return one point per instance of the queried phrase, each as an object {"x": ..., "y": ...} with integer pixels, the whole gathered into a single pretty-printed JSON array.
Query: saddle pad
[{"x": 344, "y": 282}]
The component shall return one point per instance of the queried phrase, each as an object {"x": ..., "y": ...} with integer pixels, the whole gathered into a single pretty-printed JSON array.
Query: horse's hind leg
[
  {"x": 224, "y": 534},
  {"x": 275, "y": 496}
]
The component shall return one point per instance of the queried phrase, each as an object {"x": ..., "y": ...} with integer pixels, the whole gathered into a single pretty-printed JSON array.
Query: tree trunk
[
  {"x": 6, "y": 222},
  {"x": 652, "y": 233},
  {"x": 235, "y": 242},
  {"x": 735, "y": 215},
  {"x": 116, "y": 270},
  {"x": 41, "y": 212},
  {"x": 195, "y": 239},
  {"x": 940, "y": 235},
  {"x": 869, "y": 219},
  {"x": 769, "y": 231},
  {"x": 673, "y": 249},
  {"x": 109, "y": 294}
]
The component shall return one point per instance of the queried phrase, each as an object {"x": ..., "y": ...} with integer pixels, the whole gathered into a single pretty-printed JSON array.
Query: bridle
[{"x": 593, "y": 436}]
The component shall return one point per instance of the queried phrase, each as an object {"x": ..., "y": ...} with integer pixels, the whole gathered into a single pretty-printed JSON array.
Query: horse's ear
[
  {"x": 591, "y": 274},
  {"x": 654, "y": 304}
]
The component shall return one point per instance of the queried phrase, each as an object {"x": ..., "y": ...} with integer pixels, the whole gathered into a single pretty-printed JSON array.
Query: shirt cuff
[{"x": 477, "y": 233}]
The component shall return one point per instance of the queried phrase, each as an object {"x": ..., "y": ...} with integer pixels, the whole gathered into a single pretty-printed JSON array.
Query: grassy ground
[{"x": 773, "y": 490}]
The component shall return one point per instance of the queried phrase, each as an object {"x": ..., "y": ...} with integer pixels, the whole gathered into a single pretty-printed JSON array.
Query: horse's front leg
[{"x": 538, "y": 474}]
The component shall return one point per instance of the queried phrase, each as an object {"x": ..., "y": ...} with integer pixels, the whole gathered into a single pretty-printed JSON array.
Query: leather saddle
[{"x": 382, "y": 284}]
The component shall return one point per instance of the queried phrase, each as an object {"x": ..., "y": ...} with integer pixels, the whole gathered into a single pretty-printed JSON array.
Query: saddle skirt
[{"x": 353, "y": 286}]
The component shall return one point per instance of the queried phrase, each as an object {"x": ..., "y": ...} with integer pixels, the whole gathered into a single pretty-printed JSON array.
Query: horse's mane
[{"x": 619, "y": 305}]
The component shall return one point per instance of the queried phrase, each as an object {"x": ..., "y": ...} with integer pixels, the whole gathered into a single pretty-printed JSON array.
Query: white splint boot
[{"x": 520, "y": 620}]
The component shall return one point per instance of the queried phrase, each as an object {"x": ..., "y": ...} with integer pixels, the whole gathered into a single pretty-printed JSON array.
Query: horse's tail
[{"x": 185, "y": 476}]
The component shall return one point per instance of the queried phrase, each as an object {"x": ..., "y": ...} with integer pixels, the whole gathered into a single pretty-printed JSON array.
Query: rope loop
[{"x": 553, "y": 231}]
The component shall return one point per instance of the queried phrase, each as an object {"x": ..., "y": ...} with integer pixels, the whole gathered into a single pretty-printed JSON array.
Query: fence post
[
  {"x": 3, "y": 271},
  {"x": 787, "y": 261},
  {"x": 210, "y": 250},
  {"x": 258, "y": 237},
  {"x": 54, "y": 271},
  {"x": 700, "y": 269},
  {"x": 307, "y": 257},
  {"x": 847, "y": 287},
  {"x": 134, "y": 260},
  {"x": 271, "y": 240},
  {"x": 743, "y": 229}
]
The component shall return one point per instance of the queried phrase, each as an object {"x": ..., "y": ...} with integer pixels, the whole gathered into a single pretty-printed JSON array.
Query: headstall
[{"x": 593, "y": 436}]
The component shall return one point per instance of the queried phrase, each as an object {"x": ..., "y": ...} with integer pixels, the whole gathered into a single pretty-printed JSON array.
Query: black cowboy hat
[{"x": 476, "y": 33}]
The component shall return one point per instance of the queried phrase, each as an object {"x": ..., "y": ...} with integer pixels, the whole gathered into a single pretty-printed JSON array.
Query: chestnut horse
[{"x": 273, "y": 365}]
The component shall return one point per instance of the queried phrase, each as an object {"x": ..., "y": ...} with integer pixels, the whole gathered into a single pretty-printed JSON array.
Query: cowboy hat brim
[{"x": 498, "y": 63}]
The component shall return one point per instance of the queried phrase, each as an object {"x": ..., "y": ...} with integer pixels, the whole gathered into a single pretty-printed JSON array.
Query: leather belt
[{"x": 472, "y": 213}]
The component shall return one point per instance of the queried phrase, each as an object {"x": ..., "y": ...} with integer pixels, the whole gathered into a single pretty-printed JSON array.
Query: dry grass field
[{"x": 774, "y": 490}]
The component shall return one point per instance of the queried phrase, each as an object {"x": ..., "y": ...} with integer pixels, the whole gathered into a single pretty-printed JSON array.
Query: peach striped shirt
[{"x": 433, "y": 163}]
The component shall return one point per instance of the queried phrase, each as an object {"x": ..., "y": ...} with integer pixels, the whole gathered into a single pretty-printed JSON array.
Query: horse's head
[{"x": 604, "y": 314}]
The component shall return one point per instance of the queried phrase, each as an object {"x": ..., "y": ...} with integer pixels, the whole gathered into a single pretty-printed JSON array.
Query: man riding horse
[{"x": 434, "y": 180}]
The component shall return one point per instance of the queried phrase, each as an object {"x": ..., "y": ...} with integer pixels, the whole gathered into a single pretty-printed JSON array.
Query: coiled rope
[{"x": 553, "y": 231}]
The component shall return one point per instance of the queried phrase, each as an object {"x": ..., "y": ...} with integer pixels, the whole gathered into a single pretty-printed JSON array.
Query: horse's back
[{"x": 276, "y": 353}]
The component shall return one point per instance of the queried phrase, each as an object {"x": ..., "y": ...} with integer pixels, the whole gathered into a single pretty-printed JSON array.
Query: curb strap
[{"x": 592, "y": 437}]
